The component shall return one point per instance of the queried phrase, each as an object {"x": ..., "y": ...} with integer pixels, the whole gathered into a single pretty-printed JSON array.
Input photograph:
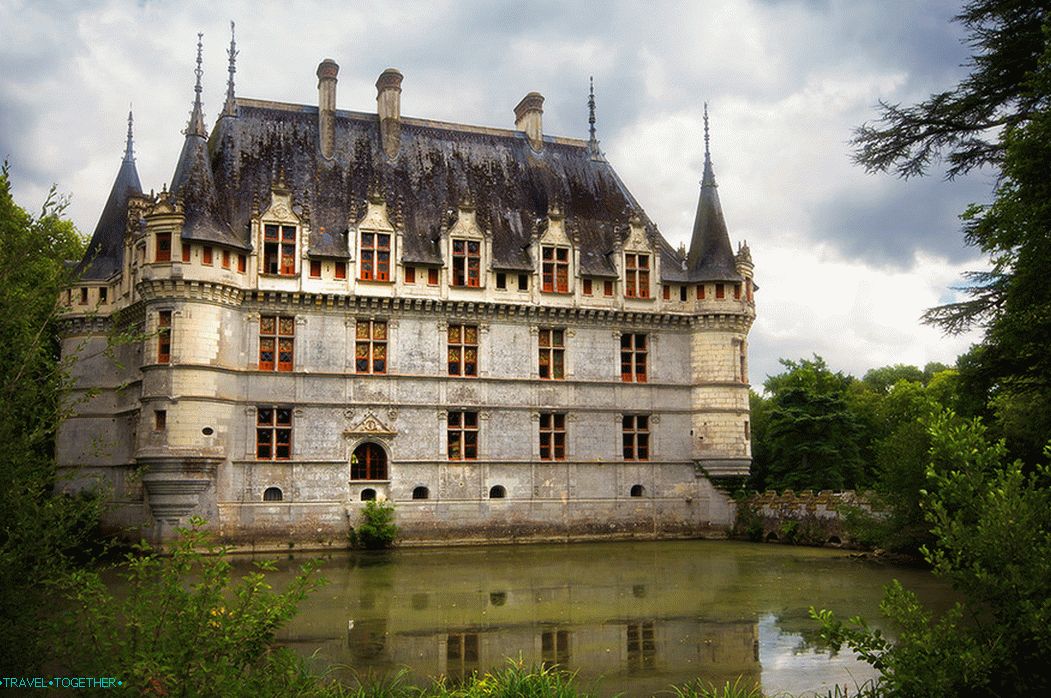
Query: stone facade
[{"x": 310, "y": 340}]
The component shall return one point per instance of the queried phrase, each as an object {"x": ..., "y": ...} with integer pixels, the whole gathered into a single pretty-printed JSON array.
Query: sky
[{"x": 846, "y": 262}]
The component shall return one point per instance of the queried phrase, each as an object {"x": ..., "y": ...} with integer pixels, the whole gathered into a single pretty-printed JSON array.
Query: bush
[{"x": 377, "y": 529}]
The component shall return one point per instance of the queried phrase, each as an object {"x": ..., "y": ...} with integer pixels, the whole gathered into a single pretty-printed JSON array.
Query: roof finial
[
  {"x": 129, "y": 156},
  {"x": 196, "y": 125},
  {"x": 707, "y": 154},
  {"x": 230, "y": 109},
  {"x": 592, "y": 140}
]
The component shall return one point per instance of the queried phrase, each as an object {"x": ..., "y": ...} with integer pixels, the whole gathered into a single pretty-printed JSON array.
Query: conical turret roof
[
  {"x": 711, "y": 256},
  {"x": 106, "y": 249}
]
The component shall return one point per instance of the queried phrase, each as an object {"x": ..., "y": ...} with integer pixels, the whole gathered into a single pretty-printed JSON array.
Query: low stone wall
[{"x": 805, "y": 518}]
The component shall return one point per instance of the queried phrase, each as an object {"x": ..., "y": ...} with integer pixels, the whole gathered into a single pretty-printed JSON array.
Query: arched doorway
[{"x": 369, "y": 462}]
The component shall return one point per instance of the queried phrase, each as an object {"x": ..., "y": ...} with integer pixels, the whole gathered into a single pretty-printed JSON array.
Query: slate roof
[
  {"x": 106, "y": 249},
  {"x": 711, "y": 257}
]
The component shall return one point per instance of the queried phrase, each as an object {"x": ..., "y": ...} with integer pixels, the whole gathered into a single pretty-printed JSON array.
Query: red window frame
[
  {"x": 463, "y": 350},
  {"x": 467, "y": 263},
  {"x": 634, "y": 349},
  {"x": 432, "y": 277},
  {"x": 700, "y": 292},
  {"x": 279, "y": 249},
  {"x": 226, "y": 259},
  {"x": 588, "y": 287},
  {"x": 369, "y": 462},
  {"x": 273, "y": 433},
  {"x": 555, "y": 269},
  {"x": 551, "y": 363},
  {"x": 720, "y": 291},
  {"x": 462, "y": 435},
  {"x": 370, "y": 346},
  {"x": 636, "y": 437},
  {"x": 315, "y": 269},
  {"x": 552, "y": 436},
  {"x": 206, "y": 255},
  {"x": 277, "y": 342},
  {"x": 636, "y": 275},
  {"x": 164, "y": 248},
  {"x": 375, "y": 256},
  {"x": 666, "y": 291},
  {"x": 242, "y": 263},
  {"x": 340, "y": 271},
  {"x": 185, "y": 251},
  {"x": 607, "y": 288},
  {"x": 164, "y": 337},
  {"x": 410, "y": 275}
]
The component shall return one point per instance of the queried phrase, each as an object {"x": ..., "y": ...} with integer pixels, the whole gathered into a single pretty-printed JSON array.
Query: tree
[
  {"x": 991, "y": 523},
  {"x": 39, "y": 532}
]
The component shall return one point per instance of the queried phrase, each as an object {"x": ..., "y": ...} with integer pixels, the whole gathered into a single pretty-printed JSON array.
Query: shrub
[{"x": 377, "y": 529}]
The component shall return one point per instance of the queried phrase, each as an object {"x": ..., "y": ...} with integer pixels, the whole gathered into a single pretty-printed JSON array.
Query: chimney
[
  {"x": 327, "y": 71},
  {"x": 388, "y": 107},
  {"x": 529, "y": 116}
]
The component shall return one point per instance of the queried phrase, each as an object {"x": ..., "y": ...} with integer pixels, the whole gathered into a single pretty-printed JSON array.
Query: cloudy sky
[{"x": 846, "y": 261}]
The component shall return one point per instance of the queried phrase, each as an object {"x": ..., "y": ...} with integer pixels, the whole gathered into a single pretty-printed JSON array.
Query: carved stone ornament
[{"x": 370, "y": 425}]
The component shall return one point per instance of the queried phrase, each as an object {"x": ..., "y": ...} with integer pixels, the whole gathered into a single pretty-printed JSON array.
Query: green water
[{"x": 632, "y": 618}]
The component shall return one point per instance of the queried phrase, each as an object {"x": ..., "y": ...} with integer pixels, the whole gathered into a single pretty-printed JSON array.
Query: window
[
  {"x": 273, "y": 433},
  {"x": 160, "y": 420},
  {"x": 432, "y": 277},
  {"x": 637, "y": 490},
  {"x": 636, "y": 437},
  {"x": 279, "y": 249},
  {"x": 315, "y": 269},
  {"x": 226, "y": 259},
  {"x": 666, "y": 292},
  {"x": 737, "y": 292},
  {"x": 375, "y": 256},
  {"x": 642, "y": 647},
  {"x": 554, "y": 649},
  {"x": 555, "y": 269},
  {"x": 242, "y": 263},
  {"x": 369, "y": 462},
  {"x": 83, "y": 295},
  {"x": 467, "y": 263},
  {"x": 552, "y": 357},
  {"x": 368, "y": 495},
  {"x": 587, "y": 287},
  {"x": 700, "y": 292},
  {"x": 461, "y": 655},
  {"x": 463, "y": 435},
  {"x": 164, "y": 247},
  {"x": 463, "y": 350},
  {"x": 277, "y": 334},
  {"x": 497, "y": 492},
  {"x": 748, "y": 289},
  {"x": 637, "y": 276},
  {"x": 523, "y": 282},
  {"x": 633, "y": 358},
  {"x": 501, "y": 281},
  {"x": 742, "y": 360},
  {"x": 206, "y": 255},
  {"x": 273, "y": 494},
  {"x": 186, "y": 251},
  {"x": 164, "y": 337},
  {"x": 421, "y": 492},
  {"x": 552, "y": 436},
  {"x": 410, "y": 275},
  {"x": 340, "y": 270},
  {"x": 747, "y": 431},
  {"x": 103, "y": 294},
  {"x": 682, "y": 294},
  {"x": 607, "y": 288},
  {"x": 720, "y": 291},
  {"x": 370, "y": 350}
]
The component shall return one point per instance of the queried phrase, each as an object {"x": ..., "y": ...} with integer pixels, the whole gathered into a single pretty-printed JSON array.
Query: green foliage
[
  {"x": 991, "y": 522},
  {"x": 376, "y": 529},
  {"x": 748, "y": 522},
  {"x": 182, "y": 627},
  {"x": 702, "y": 689},
  {"x": 40, "y": 532}
]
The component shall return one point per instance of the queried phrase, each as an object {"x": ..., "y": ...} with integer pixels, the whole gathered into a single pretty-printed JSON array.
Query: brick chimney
[
  {"x": 529, "y": 117},
  {"x": 388, "y": 107},
  {"x": 327, "y": 71}
]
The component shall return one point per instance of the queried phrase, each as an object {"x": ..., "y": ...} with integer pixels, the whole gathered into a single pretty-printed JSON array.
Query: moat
[{"x": 629, "y": 618}]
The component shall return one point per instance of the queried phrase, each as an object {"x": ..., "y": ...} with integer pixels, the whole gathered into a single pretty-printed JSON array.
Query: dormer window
[
  {"x": 636, "y": 276},
  {"x": 555, "y": 270},
  {"x": 279, "y": 249},
  {"x": 467, "y": 263},
  {"x": 375, "y": 256}
]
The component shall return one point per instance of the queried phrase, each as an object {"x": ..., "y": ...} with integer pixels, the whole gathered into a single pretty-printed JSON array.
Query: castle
[{"x": 480, "y": 325}]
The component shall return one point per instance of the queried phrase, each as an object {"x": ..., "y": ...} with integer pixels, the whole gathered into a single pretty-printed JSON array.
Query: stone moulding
[{"x": 174, "y": 484}]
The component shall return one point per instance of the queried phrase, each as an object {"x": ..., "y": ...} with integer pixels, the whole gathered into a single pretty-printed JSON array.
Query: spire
[
  {"x": 711, "y": 257},
  {"x": 196, "y": 125},
  {"x": 106, "y": 249},
  {"x": 592, "y": 140},
  {"x": 129, "y": 156},
  {"x": 230, "y": 109}
]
